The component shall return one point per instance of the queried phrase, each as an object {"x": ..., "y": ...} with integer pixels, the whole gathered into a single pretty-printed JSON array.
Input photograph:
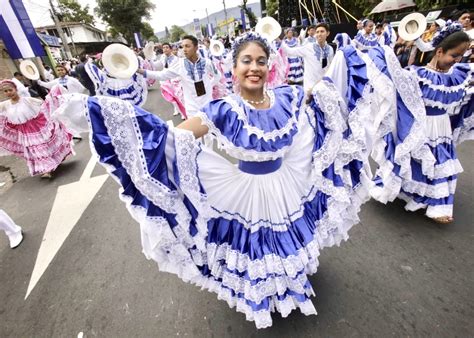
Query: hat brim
[
  {"x": 420, "y": 21},
  {"x": 213, "y": 44},
  {"x": 149, "y": 51},
  {"x": 262, "y": 28},
  {"x": 119, "y": 61},
  {"x": 29, "y": 70}
]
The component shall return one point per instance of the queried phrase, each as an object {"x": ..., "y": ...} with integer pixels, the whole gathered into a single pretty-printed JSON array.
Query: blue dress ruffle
[
  {"x": 257, "y": 261},
  {"x": 296, "y": 71},
  {"x": 433, "y": 168},
  {"x": 134, "y": 90}
]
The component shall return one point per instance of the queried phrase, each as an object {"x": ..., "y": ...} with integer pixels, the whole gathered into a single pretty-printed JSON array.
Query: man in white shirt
[
  {"x": 167, "y": 59},
  {"x": 198, "y": 76},
  {"x": 21, "y": 88},
  {"x": 317, "y": 56},
  {"x": 68, "y": 82}
]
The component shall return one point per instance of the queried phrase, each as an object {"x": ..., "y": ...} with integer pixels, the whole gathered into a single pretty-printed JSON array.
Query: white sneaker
[
  {"x": 176, "y": 113},
  {"x": 16, "y": 239}
]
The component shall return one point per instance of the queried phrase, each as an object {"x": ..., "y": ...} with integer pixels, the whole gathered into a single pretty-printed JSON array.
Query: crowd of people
[{"x": 302, "y": 116}]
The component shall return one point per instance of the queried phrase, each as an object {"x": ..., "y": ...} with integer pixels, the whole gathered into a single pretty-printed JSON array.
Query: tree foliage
[
  {"x": 249, "y": 13},
  {"x": 272, "y": 8},
  {"x": 72, "y": 11},
  {"x": 176, "y": 33},
  {"x": 125, "y": 16},
  {"x": 148, "y": 33}
]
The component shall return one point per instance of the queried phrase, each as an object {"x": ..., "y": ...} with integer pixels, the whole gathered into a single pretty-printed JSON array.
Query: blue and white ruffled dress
[
  {"x": 429, "y": 179},
  {"x": 251, "y": 232},
  {"x": 134, "y": 90},
  {"x": 449, "y": 121},
  {"x": 296, "y": 71},
  {"x": 365, "y": 42}
]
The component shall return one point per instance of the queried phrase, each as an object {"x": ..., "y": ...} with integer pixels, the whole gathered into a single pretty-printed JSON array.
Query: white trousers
[{"x": 12, "y": 230}]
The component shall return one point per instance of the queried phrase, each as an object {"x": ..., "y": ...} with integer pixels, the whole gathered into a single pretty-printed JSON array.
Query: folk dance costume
[
  {"x": 197, "y": 80},
  {"x": 28, "y": 131},
  {"x": 71, "y": 84},
  {"x": 316, "y": 61},
  {"x": 342, "y": 40},
  {"x": 295, "y": 74},
  {"x": 431, "y": 181},
  {"x": 250, "y": 233},
  {"x": 278, "y": 68},
  {"x": 365, "y": 42},
  {"x": 389, "y": 37},
  {"x": 13, "y": 231},
  {"x": 134, "y": 90},
  {"x": 21, "y": 88},
  {"x": 171, "y": 90}
]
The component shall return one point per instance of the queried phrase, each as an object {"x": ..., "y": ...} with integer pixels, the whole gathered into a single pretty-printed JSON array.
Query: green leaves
[{"x": 126, "y": 16}]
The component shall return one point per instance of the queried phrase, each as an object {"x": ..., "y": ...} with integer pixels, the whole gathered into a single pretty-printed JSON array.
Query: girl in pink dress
[{"x": 27, "y": 131}]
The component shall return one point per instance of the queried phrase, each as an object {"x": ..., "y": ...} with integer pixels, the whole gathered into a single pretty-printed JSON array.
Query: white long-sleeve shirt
[
  {"x": 21, "y": 88},
  {"x": 313, "y": 68},
  {"x": 73, "y": 85},
  {"x": 190, "y": 73}
]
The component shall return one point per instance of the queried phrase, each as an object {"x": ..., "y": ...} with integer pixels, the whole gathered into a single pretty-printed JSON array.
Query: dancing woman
[
  {"x": 251, "y": 233},
  {"x": 296, "y": 72},
  {"x": 446, "y": 88},
  {"x": 27, "y": 131},
  {"x": 366, "y": 39}
]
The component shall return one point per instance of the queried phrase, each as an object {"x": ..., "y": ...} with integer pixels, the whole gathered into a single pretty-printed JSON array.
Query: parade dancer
[
  {"x": 13, "y": 231},
  {"x": 251, "y": 233},
  {"x": 366, "y": 39},
  {"x": 316, "y": 56},
  {"x": 171, "y": 90},
  {"x": 446, "y": 88},
  {"x": 134, "y": 89},
  {"x": 197, "y": 75},
  {"x": 27, "y": 131},
  {"x": 71, "y": 84},
  {"x": 295, "y": 74}
]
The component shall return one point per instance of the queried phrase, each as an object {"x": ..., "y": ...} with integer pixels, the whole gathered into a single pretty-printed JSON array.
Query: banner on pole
[{"x": 17, "y": 31}]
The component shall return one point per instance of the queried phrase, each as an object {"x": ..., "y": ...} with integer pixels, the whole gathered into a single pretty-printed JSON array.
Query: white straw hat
[{"x": 119, "y": 61}]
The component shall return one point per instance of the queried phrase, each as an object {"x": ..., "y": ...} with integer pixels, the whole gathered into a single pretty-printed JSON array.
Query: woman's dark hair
[
  {"x": 241, "y": 46},
  {"x": 192, "y": 38},
  {"x": 452, "y": 41}
]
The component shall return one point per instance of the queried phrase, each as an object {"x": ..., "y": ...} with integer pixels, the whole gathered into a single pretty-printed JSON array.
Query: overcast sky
[{"x": 167, "y": 12}]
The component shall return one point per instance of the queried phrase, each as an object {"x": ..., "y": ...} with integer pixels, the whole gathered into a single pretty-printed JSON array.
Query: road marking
[{"x": 70, "y": 203}]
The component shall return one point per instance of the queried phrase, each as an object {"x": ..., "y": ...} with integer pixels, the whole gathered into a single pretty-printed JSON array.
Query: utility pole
[
  {"x": 62, "y": 36},
  {"x": 225, "y": 14}
]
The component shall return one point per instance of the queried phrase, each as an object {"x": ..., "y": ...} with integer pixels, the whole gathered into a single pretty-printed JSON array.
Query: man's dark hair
[
  {"x": 324, "y": 25},
  {"x": 17, "y": 74},
  {"x": 192, "y": 38},
  {"x": 166, "y": 44},
  {"x": 83, "y": 58}
]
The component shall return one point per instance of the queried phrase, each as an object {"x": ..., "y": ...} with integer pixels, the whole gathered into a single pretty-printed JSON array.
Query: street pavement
[{"x": 398, "y": 275}]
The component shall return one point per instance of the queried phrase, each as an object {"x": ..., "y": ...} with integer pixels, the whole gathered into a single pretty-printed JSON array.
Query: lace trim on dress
[
  {"x": 240, "y": 153},
  {"x": 123, "y": 129},
  {"x": 274, "y": 134}
]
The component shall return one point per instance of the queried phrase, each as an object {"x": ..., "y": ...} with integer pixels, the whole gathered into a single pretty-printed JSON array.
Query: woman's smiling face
[{"x": 251, "y": 67}]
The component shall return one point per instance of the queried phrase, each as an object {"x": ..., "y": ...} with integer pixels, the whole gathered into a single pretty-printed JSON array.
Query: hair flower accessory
[
  {"x": 248, "y": 37},
  {"x": 448, "y": 29}
]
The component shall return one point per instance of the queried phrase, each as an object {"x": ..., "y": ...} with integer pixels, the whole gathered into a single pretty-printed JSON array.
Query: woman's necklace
[
  {"x": 262, "y": 101},
  {"x": 430, "y": 66}
]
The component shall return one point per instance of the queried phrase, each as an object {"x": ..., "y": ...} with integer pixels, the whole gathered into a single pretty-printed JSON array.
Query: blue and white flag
[
  {"x": 138, "y": 40},
  {"x": 17, "y": 31}
]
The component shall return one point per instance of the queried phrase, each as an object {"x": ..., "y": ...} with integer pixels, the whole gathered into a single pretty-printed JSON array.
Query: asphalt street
[{"x": 398, "y": 275}]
